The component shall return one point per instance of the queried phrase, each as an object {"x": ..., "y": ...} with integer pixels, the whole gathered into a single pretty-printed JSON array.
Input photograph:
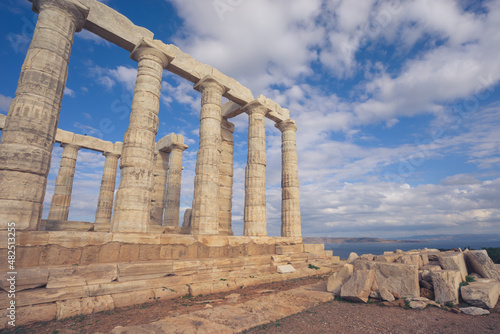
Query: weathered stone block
[
  {"x": 357, "y": 288},
  {"x": 479, "y": 262},
  {"x": 285, "y": 249},
  {"x": 129, "y": 253},
  {"x": 132, "y": 298},
  {"x": 484, "y": 295},
  {"x": 70, "y": 308},
  {"x": 109, "y": 252},
  {"x": 285, "y": 269},
  {"x": 33, "y": 313},
  {"x": 453, "y": 261},
  {"x": 144, "y": 270},
  {"x": 337, "y": 279},
  {"x": 62, "y": 277},
  {"x": 103, "y": 303},
  {"x": 26, "y": 278},
  {"x": 396, "y": 277},
  {"x": 446, "y": 285}
]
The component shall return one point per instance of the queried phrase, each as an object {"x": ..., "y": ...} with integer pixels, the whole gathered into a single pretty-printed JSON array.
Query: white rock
[
  {"x": 474, "y": 311},
  {"x": 285, "y": 269}
]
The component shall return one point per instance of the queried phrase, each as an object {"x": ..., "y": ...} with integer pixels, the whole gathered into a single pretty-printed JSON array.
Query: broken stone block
[
  {"x": 414, "y": 259},
  {"x": 446, "y": 286},
  {"x": 285, "y": 269},
  {"x": 479, "y": 262},
  {"x": 26, "y": 278},
  {"x": 336, "y": 280},
  {"x": 386, "y": 294},
  {"x": 358, "y": 288},
  {"x": 453, "y": 261},
  {"x": 479, "y": 294},
  {"x": 426, "y": 284},
  {"x": 353, "y": 256},
  {"x": 398, "y": 278},
  {"x": 474, "y": 311}
]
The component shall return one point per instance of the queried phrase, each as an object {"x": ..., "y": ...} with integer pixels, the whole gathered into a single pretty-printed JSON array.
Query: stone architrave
[
  {"x": 205, "y": 212},
  {"x": 133, "y": 198},
  {"x": 160, "y": 172},
  {"x": 61, "y": 199},
  {"x": 290, "y": 202},
  {"x": 107, "y": 193},
  {"x": 29, "y": 133},
  {"x": 255, "y": 215},
  {"x": 173, "y": 196},
  {"x": 226, "y": 178}
]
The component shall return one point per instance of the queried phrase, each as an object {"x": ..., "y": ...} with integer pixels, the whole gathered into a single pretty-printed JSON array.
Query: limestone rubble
[{"x": 423, "y": 277}]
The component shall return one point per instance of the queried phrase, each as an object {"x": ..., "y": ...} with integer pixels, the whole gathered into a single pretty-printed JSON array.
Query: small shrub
[
  {"x": 407, "y": 304},
  {"x": 469, "y": 279},
  {"x": 450, "y": 304},
  {"x": 312, "y": 266}
]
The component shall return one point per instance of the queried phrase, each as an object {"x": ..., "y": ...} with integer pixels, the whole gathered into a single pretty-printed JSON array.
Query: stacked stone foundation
[{"x": 63, "y": 274}]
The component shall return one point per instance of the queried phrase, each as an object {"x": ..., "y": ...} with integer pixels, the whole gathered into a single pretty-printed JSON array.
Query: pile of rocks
[{"x": 420, "y": 278}]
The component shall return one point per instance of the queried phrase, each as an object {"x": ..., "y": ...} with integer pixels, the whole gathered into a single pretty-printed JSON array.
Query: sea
[{"x": 344, "y": 249}]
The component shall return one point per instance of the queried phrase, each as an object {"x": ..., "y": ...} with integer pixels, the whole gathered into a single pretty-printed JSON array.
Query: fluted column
[
  {"x": 160, "y": 184},
  {"x": 61, "y": 200},
  {"x": 133, "y": 198},
  {"x": 290, "y": 203},
  {"x": 205, "y": 214},
  {"x": 28, "y": 136},
  {"x": 107, "y": 193},
  {"x": 173, "y": 198},
  {"x": 226, "y": 178},
  {"x": 255, "y": 216}
]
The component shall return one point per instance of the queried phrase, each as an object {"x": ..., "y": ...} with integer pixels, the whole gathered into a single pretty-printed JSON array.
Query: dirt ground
[{"x": 332, "y": 317}]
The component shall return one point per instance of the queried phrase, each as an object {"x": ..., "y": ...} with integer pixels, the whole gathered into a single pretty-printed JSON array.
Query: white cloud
[
  {"x": 5, "y": 103},
  {"x": 69, "y": 92}
]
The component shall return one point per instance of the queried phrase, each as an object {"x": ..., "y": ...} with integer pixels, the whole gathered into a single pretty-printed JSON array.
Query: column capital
[
  {"x": 210, "y": 81},
  {"x": 73, "y": 7},
  {"x": 111, "y": 154},
  {"x": 178, "y": 147},
  {"x": 286, "y": 125},
  {"x": 147, "y": 47},
  {"x": 256, "y": 106},
  {"x": 71, "y": 145}
]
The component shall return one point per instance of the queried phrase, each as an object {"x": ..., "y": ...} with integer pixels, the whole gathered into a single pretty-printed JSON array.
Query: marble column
[
  {"x": 205, "y": 214},
  {"x": 29, "y": 133},
  {"x": 173, "y": 198},
  {"x": 226, "y": 178},
  {"x": 107, "y": 193},
  {"x": 290, "y": 203},
  {"x": 61, "y": 200},
  {"x": 133, "y": 198},
  {"x": 255, "y": 216},
  {"x": 160, "y": 184}
]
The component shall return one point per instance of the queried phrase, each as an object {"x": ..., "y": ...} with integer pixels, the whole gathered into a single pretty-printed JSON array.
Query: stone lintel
[
  {"x": 114, "y": 27},
  {"x": 275, "y": 112},
  {"x": 88, "y": 142},
  {"x": 190, "y": 69},
  {"x": 171, "y": 140}
]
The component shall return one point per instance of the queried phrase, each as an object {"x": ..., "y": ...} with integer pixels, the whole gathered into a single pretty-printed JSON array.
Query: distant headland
[{"x": 329, "y": 240}]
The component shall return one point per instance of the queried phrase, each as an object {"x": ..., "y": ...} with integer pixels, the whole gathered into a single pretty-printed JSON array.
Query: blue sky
[{"x": 397, "y": 104}]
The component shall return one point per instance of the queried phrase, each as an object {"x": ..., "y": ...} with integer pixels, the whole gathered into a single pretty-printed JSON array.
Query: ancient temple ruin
[{"x": 135, "y": 246}]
